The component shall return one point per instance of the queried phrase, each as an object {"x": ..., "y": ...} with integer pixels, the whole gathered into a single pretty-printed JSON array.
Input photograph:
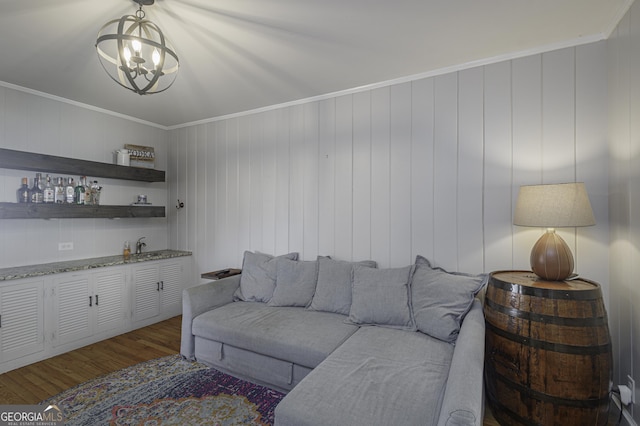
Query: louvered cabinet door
[
  {"x": 146, "y": 291},
  {"x": 21, "y": 320},
  {"x": 110, "y": 300},
  {"x": 72, "y": 304},
  {"x": 171, "y": 280}
]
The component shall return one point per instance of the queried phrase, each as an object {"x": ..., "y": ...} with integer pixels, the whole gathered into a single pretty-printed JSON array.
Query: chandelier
[{"x": 136, "y": 54}]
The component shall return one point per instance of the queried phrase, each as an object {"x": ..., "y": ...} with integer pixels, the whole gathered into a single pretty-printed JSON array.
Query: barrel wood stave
[{"x": 548, "y": 351}]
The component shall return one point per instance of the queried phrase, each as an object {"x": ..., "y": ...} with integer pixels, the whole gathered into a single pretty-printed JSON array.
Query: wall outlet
[
  {"x": 65, "y": 246},
  {"x": 632, "y": 386}
]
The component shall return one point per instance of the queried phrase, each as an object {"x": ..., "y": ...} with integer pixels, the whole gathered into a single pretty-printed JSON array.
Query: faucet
[{"x": 139, "y": 245}]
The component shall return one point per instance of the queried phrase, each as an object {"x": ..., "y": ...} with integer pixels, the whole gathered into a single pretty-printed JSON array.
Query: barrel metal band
[
  {"x": 521, "y": 420},
  {"x": 550, "y": 346},
  {"x": 547, "y": 319},
  {"x": 541, "y": 396},
  {"x": 547, "y": 293}
]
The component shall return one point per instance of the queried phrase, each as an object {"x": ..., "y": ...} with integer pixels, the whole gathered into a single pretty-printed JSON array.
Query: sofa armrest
[
  {"x": 200, "y": 299},
  {"x": 463, "y": 402}
]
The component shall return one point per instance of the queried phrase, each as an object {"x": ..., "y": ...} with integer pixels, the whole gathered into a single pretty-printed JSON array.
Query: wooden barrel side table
[{"x": 548, "y": 351}]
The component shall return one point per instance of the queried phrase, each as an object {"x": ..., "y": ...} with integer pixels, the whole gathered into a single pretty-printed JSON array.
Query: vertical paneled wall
[
  {"x": 624, "y": 195},
  {"x": 430, "y": 166},
  {"x": 34, "y": 123}
]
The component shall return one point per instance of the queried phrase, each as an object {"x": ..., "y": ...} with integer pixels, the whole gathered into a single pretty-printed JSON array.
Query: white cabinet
[
  {"x": 157, "y": 290},
  {"x": 146, "y": 291},
  {"x": 172, "y": 283},
  {"x": 88, "y": 303},
  {"x": 111, "y": 307},
  {"x": 21, "y": 319},
  {"x": 71, "y": 313},
  {"x": 49, "y": 315}
]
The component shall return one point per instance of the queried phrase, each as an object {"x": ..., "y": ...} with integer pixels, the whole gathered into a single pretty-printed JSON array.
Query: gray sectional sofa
[{"x": 351, "y": 344}]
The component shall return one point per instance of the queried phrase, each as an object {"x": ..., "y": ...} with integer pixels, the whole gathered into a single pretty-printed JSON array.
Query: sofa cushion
[
  {"x": 382, "y": 297},
  {"x": 378, "y": 376},
  {"x": 295, "y": 283},
  {"x": 333, "y": 291},
  {"x": 287, "y": 333},
  {"x": 441, "y": 299},
  {"x": 258, "y": 279}
]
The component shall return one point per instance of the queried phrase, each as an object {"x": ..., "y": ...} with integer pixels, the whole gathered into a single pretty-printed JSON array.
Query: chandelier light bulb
[
  {"x": 137, "y": 46},
  {"x": 156, "y": 57},
  {"x": 127, "y": 56},
  {"x": 128, "y": 46}
]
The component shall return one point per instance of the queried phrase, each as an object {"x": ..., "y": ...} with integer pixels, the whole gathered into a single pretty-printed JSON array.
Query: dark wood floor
[{"x": 39, "y": 381}]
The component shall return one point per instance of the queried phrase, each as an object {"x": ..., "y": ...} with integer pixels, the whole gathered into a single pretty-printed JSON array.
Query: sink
[{"x": 145, "y": 255}]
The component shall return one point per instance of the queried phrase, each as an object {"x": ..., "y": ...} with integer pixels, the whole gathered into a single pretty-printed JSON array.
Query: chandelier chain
[{"x": 140, "y": 13}]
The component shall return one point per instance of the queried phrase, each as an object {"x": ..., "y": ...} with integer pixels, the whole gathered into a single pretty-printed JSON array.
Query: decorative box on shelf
[{"x": 141, "y": 156}]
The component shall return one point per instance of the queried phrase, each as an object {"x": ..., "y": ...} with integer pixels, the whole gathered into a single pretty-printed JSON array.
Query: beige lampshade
[{"x": 553, "y": 206}]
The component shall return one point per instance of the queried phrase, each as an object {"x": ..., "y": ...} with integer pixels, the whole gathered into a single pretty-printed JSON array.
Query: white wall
[
  {"x": 428, "y": 167},
  {"x": 34, "y": 123},
  {"x": 624, "y": 194}
]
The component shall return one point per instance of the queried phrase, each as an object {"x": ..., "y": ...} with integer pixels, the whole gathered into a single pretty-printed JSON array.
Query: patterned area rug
[{"x": 167, "y": 391}]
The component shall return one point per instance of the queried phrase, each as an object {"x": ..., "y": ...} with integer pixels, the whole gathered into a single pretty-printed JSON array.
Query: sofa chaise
[{"x": 349, "y": 343}]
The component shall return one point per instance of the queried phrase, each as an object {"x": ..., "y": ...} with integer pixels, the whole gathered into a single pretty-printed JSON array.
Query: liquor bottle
[
  {"x": 88, "y": 195},
  {"x": 126, "y": 251},
  {"x": 36, "y": 192},
  {"x": 24, "y": 193},
  {"x": 48, "y": 193},
  {"x": 80, "y": 190},
  {"x": 69, "y": 191},
  {"x": 95, "y": 193},
  {"x": 40, "y": 182},
  {"x": 60, "y": 192}
]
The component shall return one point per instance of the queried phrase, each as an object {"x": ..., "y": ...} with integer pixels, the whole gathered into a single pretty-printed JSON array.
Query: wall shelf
[
  {"x": 21, "y": 160},
  {"x": 71, "y": 211}
]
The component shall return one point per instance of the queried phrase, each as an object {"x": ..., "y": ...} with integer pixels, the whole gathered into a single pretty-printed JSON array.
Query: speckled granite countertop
[{"x": 28, "y": 271}]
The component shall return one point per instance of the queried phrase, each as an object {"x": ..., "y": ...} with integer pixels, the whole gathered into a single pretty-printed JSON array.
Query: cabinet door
[
  {"x": 171, "y": 284},
  {"x": 72, "y": 303},
  {"x": 146, "y": 292},
  {"x": 21, "y": 320},
  {"x": 110, "y": 300}
]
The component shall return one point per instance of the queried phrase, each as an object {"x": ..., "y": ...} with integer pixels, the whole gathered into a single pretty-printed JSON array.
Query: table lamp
[{"x": 553, "y": 206}]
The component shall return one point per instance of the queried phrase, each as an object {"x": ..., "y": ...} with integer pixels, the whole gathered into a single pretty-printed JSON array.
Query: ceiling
[{"x": 239, "y": 55}]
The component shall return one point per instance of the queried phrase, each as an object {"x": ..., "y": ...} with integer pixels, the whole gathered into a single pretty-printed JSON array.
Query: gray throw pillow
[
  {"x": 295, "y": 283},
  {"x": 258, "y": 279},
  {"x": 441, "y": 299},
  {"x": 382, "y": 297},
  {"x": 333, "y": 291}
]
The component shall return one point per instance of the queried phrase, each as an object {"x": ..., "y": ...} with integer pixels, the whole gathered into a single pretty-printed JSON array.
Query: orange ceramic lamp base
[{"x": 551, "y": 257}]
